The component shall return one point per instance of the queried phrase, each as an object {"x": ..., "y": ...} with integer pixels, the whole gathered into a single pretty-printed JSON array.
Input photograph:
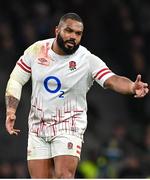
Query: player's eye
[
  {"x": 68, "y": 30},
  {"x": 79, "y": 33}
]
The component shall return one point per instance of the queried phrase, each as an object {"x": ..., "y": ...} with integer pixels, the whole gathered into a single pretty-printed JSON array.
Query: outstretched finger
[
  {"x": 146, "y": 90},
  {"x": 17, "y": 130},
  {"x": 138, "y": 78},
  {"x": 146, "y": 85},
  {"x": 14, "y": 132},
  {"x": 139, "y": 96},
  {"x": 142, "y": 94}
]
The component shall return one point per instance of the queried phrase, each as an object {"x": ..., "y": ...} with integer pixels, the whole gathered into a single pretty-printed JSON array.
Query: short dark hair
[{"x": 72, "y": 16}]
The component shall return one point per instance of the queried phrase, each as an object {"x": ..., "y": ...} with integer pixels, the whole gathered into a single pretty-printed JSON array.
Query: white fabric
[
  {"x": 39, "y": 148},
  {"x": 17, "y": 79},
  {"x": 19, "y": 75},
  {"x": 13, "y": 89},
  {"x": 59, "y": 87}
]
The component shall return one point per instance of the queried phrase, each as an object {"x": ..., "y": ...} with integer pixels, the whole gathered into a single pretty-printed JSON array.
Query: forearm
[
  {"x": 120, "y": 84},
  {"x": 12, "y": 95},
  {"x": 11, "y": 104}
]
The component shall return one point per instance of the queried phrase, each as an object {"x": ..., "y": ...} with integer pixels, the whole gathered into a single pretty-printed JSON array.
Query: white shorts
[{"x": 38, "y": 148}]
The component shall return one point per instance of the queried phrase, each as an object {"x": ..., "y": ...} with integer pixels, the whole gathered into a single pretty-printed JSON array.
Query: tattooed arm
[
  {"x": 11, "y": 107},
  {"x": 17, "y": 79}
]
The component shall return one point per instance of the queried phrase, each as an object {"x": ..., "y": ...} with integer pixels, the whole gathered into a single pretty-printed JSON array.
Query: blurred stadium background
[{"x": 117, "y": 141}]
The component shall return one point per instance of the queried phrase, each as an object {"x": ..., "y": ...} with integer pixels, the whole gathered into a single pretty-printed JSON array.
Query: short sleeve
[
  {"x": 99, "y": 70},
  {"x": 25, "y": 61}
]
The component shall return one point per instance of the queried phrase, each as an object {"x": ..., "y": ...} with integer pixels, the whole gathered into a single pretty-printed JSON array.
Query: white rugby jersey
[{"x": 59, "y": 87}]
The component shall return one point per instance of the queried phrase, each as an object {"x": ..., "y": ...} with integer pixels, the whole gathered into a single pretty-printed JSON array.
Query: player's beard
[{"x": 66, "y": 50}]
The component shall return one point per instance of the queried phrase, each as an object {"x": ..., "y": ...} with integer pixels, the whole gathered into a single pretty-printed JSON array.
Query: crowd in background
[{"x": 117, "y": 141}]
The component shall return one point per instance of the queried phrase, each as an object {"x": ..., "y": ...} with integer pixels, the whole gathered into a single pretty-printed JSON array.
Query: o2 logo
[{"x": 58, "y": 85}]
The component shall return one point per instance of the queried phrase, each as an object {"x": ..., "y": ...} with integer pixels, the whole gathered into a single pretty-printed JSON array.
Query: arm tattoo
[{"x": 11, "y": 102}]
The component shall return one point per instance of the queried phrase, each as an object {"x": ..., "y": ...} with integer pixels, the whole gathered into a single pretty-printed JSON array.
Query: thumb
[
  {"x": 13, "y": 116},
  {"x": 138, "y": 78}
]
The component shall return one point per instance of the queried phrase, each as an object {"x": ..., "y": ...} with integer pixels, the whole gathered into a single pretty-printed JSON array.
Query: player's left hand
[{"x": 140, "y": 88}]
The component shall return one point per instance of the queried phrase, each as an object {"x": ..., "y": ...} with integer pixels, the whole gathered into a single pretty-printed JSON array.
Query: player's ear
[{"x": 56, "y": 30}]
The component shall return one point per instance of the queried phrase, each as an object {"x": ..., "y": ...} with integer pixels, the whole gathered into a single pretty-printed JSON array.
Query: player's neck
[{"x": 57, "y": 49}]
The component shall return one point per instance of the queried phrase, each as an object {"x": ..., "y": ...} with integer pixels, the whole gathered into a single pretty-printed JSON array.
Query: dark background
[{"x": 117, "y": 141}]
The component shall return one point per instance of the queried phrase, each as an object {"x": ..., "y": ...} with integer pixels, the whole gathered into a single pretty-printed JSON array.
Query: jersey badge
[
  {"x": 70, "y": 145},
  {"x": 72, "y": 65}
]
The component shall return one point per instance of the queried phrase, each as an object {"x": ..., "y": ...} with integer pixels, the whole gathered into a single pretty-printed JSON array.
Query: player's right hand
[
  {"x": 140, "y": 88},
  {"x": 10, "y": 121}
]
